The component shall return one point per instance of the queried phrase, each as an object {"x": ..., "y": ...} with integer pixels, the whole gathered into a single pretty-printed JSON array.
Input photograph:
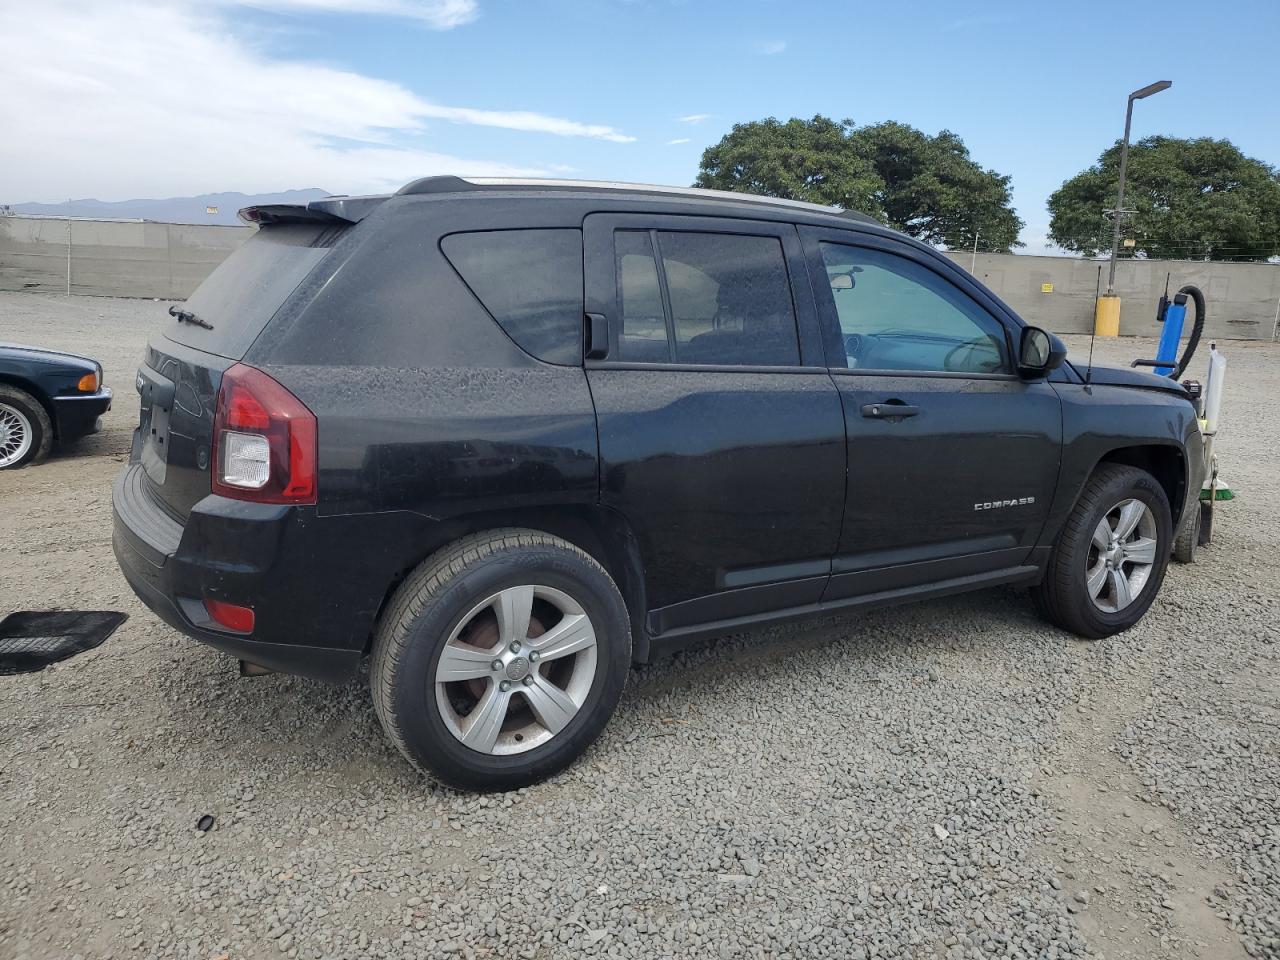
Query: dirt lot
[{"x": 951, "y": 779}]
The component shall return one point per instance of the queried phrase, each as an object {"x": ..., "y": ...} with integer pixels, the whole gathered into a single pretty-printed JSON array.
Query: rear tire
[
  {"x": 26, "y": 432},
  {"x": 500, "y": 659},
  {"x": 1096, "y": 551}
]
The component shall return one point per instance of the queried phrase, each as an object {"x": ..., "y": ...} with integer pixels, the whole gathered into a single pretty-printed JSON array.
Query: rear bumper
[
  {"x": 229, "y": 551},
  {"x": 77, "y": 415}
]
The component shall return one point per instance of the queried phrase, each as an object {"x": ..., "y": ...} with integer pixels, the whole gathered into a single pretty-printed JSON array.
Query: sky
[{"x": 121, "y": 99}]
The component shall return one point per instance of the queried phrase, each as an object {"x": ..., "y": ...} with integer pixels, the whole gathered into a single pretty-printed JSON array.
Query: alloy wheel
[
  {"x": 15, "y": 435},
  {"x": 1122, "y": 554},
  {"x": 516, "y": 670}
]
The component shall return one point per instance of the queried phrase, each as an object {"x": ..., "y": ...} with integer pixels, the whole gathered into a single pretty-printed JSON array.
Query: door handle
[
  {"x": 889, "y": 410},
  {"x": 597, "y": 330}
]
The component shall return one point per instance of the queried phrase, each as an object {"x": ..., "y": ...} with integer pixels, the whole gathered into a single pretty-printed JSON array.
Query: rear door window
[
  {"x": 530, "y": 281},
  {"x": 247, "y": 288},
  {"x": 704, "y": 298},
  {"x": 644, "y": 336}
]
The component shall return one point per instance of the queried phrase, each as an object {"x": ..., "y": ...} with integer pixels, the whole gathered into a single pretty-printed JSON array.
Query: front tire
[
  {"x": 26, "y": 432},
  {"x": 500, "y": 659},
  {"x": 1112, "y": 555}
]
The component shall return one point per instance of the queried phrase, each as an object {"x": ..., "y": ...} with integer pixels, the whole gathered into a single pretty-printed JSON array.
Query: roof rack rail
[
  {"x": 452, "y": 184},
  {"x": 861, "y": 218}
]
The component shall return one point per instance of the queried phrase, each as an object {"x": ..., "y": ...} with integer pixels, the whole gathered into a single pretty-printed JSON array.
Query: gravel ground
[{"x": 950, "y": 779}]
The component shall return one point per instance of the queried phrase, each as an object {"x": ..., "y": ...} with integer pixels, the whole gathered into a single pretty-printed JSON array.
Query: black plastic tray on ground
[{"x": 30, "y": 641}]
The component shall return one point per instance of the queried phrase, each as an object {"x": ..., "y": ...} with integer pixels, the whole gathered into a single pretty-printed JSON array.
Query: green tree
[
  {"x": 1193, "y": 199},
  {"x": 926, "y": 186}
]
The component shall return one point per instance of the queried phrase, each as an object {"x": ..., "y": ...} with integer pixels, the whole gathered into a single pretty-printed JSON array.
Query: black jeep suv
[{"x": 507, "y": 437}]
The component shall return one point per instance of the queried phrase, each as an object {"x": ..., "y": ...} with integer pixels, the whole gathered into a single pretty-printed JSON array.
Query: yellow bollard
[{"x": 1106, "y": 321}]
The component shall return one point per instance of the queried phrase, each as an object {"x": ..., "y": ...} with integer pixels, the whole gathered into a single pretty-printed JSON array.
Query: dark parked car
[
  {"x": 46, "y": 396},
  {"x": 508, "y": 437}
]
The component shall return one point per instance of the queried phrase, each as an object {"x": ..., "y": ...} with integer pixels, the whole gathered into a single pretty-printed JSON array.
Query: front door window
[{"x": 898, "y": 315}]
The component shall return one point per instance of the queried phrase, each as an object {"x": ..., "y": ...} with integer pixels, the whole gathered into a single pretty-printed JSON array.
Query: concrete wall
[
  {"x": 1242, "y": 297},
  {"x": 168, "y": 260},
  {"x": 112, "y": 258}
]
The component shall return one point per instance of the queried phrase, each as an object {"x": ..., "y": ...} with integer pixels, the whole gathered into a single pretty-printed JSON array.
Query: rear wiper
[{"x": 186, "y": 316}]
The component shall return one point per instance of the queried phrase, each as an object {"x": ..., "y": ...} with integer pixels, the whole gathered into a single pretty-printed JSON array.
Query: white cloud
[
  {"x": 436, "y": 14},
  {"x": 694, "y": 118},
  {"x": 158, "y": 98},
  {"x": 672, "y": 143},
  {"x": 523, "y": 120},
  {"x": 771, "y": 48}
]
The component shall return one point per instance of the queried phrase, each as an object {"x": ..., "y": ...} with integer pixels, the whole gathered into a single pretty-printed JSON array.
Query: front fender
[{"x": 1148, "y": 428}]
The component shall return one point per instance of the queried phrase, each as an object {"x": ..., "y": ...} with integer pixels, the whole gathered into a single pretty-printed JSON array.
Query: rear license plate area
[{"x": 156, "y": 395}]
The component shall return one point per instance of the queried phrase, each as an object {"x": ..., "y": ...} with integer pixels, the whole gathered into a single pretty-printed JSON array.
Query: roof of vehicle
[{"x": 353, "y": 209}]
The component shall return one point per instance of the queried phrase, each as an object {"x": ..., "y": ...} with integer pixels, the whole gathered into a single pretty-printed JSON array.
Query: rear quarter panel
[
  {"x": 431, "y": 420},
  {"x": 441, "y": 442}
]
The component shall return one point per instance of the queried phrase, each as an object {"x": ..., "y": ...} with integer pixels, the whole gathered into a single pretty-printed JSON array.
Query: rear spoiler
[{"x": 331, "y": 210}]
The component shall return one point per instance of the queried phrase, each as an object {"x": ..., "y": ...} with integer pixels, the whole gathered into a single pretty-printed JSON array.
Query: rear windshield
[{"x": 241, "y": 295}]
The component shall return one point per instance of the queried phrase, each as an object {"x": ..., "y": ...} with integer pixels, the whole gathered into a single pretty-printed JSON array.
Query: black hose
[{"x": 1193, "y": 341}]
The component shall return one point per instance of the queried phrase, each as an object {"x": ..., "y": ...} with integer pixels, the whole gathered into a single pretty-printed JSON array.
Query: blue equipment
[
  {"x": 1171, "y": 334},
  {"x": 1173, "y": 314},
  {"x": 1196, "y": 528}
]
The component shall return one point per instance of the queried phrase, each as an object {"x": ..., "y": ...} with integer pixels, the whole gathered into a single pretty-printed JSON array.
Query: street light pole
[{"x": 1124, "y": 163}]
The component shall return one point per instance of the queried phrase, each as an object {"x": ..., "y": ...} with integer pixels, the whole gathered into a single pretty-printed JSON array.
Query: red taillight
[
  {"x": 264, "y": 440},
  {"x": 244, "y": 412},
  {"x": 230, "y": 615}
]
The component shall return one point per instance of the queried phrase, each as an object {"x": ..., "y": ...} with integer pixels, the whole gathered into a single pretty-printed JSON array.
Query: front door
[
  {"x": 721, "y": 433},
  {"x": 953, "y": 459}
]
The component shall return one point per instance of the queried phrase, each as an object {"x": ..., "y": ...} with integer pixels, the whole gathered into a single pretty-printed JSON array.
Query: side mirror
[{"x": 1039, "y": 352}]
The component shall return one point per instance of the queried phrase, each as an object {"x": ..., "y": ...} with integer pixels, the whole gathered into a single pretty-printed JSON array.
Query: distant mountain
[{"x": 171, "y": 210}]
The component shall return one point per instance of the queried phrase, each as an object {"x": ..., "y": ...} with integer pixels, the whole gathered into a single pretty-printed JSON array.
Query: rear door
[
  {"x": 721, "y": 433},
  {"x": 953, "y": 459}
]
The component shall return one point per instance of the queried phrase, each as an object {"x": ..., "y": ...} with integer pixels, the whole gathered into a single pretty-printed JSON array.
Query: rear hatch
[{"x": 182, "y": 370}]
